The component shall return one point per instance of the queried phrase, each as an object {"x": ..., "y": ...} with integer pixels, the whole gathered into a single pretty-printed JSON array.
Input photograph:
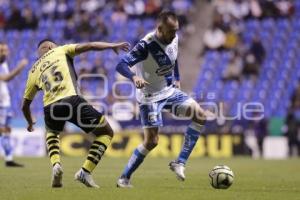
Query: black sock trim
[
  {"x": 56, "y": 163},
  {"x": 51, "y": 137},
  {"x": 53, "y": 147},
  {"x": 96, "y": 154},
  {"x": 53, "y": 141},
  {"x": 85, "y": 170},
  {"x": 92, "y": 160},
  {"x": 100, "y": 144},
  {"x": 53, "y": 153},
  {"x": 95, "y": 146}
]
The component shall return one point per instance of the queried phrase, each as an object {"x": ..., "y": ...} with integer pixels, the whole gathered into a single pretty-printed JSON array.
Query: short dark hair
[
  {"x": 45, "y": 40},
  {"x": 165, "y": 15}
]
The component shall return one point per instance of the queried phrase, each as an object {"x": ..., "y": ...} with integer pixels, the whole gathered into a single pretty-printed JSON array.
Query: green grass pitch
[{"x": 254, "y": 180}]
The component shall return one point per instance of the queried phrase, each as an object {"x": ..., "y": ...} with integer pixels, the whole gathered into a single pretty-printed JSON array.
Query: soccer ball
[{"x": 221, "y": 177}]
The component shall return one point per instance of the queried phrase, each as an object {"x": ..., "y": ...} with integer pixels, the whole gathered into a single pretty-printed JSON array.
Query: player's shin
[
  {"x": 52, "y": 141},
  {"x": 96, "y": 152},
  {"x": 7, "y": 147},
  {"x": 135, "y": 161},
  {"x": 190, "y": 139}
]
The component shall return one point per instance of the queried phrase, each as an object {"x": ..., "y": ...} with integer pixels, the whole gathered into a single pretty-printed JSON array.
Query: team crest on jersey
[
  {"x": 152, "y": 117},
  {"x": 170, "y": 51}
]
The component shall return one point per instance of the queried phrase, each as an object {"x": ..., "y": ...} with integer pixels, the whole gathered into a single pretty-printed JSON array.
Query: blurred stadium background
[{"x": 232, "y": 52}]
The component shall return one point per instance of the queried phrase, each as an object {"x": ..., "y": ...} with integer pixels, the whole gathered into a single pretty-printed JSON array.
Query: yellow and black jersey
[{"x": 54, "y": 74}]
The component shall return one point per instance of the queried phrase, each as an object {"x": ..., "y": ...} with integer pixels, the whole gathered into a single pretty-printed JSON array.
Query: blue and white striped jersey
[
  {"x": 4, "y": 92},
  {"x": 157, "y": 64}
]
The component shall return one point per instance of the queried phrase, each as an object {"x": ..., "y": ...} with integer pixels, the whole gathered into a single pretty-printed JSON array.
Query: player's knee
[
  {"x": 104, "y": 130},
  {"x": 151, "y": 144},
  {"x": 110, "y": 132},
  {"x": 188, "y": 112},
  {"x": 196, "y": 114},
  {"x": 199, "y": 117}
]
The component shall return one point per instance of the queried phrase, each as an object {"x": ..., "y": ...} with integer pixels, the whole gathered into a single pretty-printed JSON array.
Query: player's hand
[
  {"x": 139, "y": 82},
  {"x": 124, "y": 46},
  {"x": 23, "y": 63},
  {"x": 177, "y": 84},
  {"x": 30, "y": 126}
]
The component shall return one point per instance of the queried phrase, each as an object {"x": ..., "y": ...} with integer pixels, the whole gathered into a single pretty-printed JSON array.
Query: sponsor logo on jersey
[
  {"x": 152, "y": 117},
  {"x": 164, "y": 70}
]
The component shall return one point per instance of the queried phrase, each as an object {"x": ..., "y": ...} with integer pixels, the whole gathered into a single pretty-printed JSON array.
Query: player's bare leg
[
  {"x": 150, "y": 142},
  {"x": 103, "y": 137}
]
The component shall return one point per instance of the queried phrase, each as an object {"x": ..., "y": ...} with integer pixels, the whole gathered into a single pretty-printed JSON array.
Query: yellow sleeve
[
  {"x": 70, "y": 49},
  {"x": 31, "y": 88}
]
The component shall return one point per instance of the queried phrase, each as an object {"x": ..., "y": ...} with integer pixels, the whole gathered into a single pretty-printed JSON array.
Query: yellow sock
[
  {"x": 52, "y": 141},
  {"x": 96, "y": 151}
]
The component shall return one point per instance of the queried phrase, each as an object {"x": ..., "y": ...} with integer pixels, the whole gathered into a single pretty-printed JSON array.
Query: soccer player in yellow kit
[{"x": 54, "y": 73}]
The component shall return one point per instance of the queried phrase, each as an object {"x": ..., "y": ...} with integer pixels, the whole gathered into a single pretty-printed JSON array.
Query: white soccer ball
[{"x": 221, "y": 177}]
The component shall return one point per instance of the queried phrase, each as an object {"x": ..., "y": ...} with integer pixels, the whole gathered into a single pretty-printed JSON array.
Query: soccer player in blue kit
[
  {"x": 5, "y": 104},
  {"x": 158, "y": 87}
]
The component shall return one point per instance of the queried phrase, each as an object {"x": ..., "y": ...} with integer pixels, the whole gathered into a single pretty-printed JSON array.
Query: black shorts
[{"x": 73, "y": 109}]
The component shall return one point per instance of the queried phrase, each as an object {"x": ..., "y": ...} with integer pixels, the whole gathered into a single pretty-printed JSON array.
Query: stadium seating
[
  {"x": 278, "y": 75},
  {"x": 23, "y": 44},
  {"x": 279, "y": 72}
]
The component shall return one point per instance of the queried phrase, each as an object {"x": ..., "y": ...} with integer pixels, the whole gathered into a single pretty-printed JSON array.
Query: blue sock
[
  {"x": 7, "y": 147},
  {"x": 135, "y": 161},
  {"x": 190, "y": 139}
]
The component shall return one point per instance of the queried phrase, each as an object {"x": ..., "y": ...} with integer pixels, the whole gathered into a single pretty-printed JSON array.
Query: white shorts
[{"x": 177, "y": 104}]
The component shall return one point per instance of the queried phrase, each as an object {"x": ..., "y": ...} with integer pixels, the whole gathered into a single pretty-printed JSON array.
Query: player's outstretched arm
[
  {"x": 136, "y": 55},
  {"x": 123, "y": 69},
  {"x": 99, "y": 46},
  {"x": 27, "y": 114},
  {"x": 15, "y": 71}
]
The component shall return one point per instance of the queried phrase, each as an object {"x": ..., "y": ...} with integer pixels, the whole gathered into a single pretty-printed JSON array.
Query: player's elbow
[
  {"x": 84, "y": 47},
  {"x": 121, "y": 65},
  {"x": 124, "y": 70}
]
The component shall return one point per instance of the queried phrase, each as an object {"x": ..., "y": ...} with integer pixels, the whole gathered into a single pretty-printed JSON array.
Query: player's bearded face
[
  {"x": 169, "y": 30},
  {"x": 3, "y": 52}
]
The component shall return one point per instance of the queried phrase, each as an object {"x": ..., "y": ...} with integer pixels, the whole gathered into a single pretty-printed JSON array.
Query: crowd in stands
[
  {"x": 19, "y": 20},
  {"x": 84, "y": 21},
  {"x": 227, "y": 27},
  {"x": 230, "y": 23},
  {"x": 23, "y": 23}
]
